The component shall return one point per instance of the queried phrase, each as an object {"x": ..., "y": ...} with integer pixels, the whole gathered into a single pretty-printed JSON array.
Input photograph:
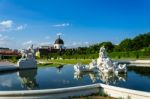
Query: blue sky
[{"x": 81, "y": 22}]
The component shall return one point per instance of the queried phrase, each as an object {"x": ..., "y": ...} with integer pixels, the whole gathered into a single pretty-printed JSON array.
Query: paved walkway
[
  {"x": 6, "y": 66},
  {"x": 138, "y": 63}
]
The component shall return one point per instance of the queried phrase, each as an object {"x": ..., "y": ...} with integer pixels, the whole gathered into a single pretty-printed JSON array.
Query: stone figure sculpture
[
  {"x": 102, "y": 64},
  {"x": 28, "y": 59}
]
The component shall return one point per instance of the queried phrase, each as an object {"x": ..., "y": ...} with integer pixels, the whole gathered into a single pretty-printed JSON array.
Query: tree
[
  {"x": 126, "y": 45},
  {"x": 108, "y": 45},
  {"x": 141, "y": 41}
]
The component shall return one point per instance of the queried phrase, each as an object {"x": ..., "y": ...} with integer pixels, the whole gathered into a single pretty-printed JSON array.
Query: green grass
[
  {"x": 67, "y": 61},
  {"x": 56, "y": 62},
  {"x": 48, "y": 64},
  {"x": 75, "y": 61}
]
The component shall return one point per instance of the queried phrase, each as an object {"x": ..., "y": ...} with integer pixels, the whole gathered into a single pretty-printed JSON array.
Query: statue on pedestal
[
  {"x": 28, "y": 59},
  {"x": 102, "y": 52}
]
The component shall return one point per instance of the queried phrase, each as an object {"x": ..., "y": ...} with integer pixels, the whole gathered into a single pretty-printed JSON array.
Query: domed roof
[{"x": 59, "y": 41}]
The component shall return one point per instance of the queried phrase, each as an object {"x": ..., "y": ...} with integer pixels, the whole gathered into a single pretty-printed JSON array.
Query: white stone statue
[
  {"x": 105, "y": 64},
  {"x": 28, "y": 54},
  {"x": 102, "y": 64},
  {"x": 93, "y": 64},
  {"x": 102, "y": 52},
  {"x": 28, "y": 59},
  {"x": 78, "y": 67},
  {"x": 91, "y": 67},
  {"x": 102, "y": 56}
]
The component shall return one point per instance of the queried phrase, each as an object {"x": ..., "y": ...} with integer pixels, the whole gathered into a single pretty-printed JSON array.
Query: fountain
[
  {"x": 27, "y": 60},
  {"x": 102, "y": 74},
  {"x": 79, "y": 67},
  {"x": 102, "y": 64},
  {"x": 105, "y": 64},
  {"x": 46, "y": 82}
]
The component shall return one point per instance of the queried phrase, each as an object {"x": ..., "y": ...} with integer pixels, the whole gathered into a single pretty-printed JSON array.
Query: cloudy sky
[{"x": 80, "y": 22}]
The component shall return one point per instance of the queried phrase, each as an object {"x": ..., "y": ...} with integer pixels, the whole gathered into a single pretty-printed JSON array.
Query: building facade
[{"x": 58, "y": 47}]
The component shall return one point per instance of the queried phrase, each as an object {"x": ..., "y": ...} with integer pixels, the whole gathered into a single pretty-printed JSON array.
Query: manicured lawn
[
  {"x": 67, "y": 61},
  {"x": 75, "y": 61}
]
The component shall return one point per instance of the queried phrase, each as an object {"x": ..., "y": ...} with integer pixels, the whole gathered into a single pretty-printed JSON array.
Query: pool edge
[{"x": 112, "y": 91}]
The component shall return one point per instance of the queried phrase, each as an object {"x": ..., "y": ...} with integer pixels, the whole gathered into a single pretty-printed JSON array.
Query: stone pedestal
[{"x": 27, "y": 63}]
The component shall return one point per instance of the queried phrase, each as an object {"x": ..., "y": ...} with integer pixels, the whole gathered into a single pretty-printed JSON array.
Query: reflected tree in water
[{"x": 143, "y": 71}]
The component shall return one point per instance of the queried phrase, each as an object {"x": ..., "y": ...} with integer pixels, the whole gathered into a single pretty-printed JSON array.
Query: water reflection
[
  {"x": 107, "y": 78},
  {"x": 112, "y": 78},
  {"x": 80, "y": 75},
  {"x": 28, "y": 78},
  {"x": 59, "y": 68},
  {"x": 143, "y": 71},
  {"x": 51, "y": 78}
]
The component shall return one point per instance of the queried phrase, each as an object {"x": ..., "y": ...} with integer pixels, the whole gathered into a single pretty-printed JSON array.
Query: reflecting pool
[{"x": 137, "y": 78}]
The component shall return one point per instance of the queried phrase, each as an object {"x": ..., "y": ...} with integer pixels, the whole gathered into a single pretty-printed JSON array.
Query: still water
[{"x": 137, "y": 78}]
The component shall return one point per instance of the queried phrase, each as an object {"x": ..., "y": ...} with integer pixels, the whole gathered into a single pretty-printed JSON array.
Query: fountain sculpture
[
  {"x": 91, "y": 67},
  {"x": 103, "y": 64},
  {"x": 27, "y": 60}
]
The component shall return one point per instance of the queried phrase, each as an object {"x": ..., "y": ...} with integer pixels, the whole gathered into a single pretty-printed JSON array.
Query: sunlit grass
[{"x": 67, "y": 61}]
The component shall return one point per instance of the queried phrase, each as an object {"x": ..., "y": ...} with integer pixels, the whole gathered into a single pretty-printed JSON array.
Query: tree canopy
[{"x": 139, "y": 42}]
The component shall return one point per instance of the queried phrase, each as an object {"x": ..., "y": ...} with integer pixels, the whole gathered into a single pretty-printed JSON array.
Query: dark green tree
[
  {"x": 141, "y": 41},
  {"x": 108, "y": 45},
  {"x": 126, "y": 45}
]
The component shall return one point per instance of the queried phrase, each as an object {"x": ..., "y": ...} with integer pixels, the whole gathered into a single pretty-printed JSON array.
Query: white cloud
[
  {"x": 21, "y": 27},
  {"x": 6, "y": 23},
  {"x": 27, "y": 43},
  {"x": 59, "y": 34},
  {"x": 61, "y": 25}
]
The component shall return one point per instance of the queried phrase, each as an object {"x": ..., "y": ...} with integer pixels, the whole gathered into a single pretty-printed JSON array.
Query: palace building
[
  {"x": 59, "y": 43},
  {"x": 57, "y": 47}
]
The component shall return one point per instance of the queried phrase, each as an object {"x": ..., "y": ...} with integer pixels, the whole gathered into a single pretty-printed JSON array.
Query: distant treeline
[{"x": 138, "y": 47}]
